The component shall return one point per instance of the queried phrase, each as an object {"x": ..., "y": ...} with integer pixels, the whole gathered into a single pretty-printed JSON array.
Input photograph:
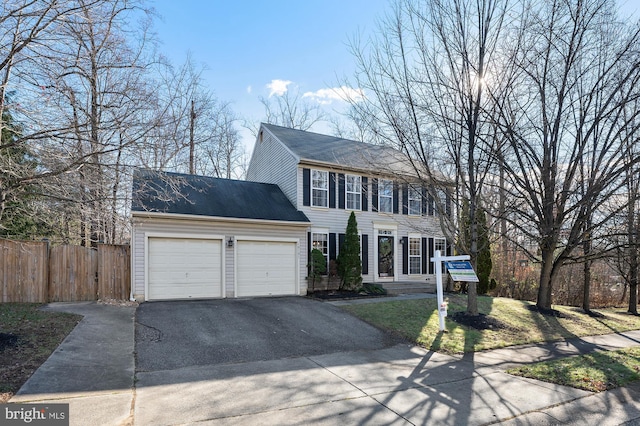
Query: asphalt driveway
[{"x": 178, "y": 334}]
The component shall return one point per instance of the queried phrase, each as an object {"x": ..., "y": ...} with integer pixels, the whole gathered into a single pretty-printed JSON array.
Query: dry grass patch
[
  {"x": 595, "y": 372},
  {"x": 518, "y": 323}
]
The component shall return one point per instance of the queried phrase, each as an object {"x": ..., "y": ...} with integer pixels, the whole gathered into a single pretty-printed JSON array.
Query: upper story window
[
  {"x": 415, "y": 201},
  {"x": 319, "y": 188},
  {"x": 353, "y": 189},
  {"x": 385, "y": 196}
]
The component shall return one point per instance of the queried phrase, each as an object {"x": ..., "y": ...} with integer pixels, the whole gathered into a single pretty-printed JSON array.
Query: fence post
[{"x": 47, "y": 265}]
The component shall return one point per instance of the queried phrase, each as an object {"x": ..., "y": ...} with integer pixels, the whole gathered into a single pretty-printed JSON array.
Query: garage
[
  {"x": 200, "y": 237},
  {"x": 184, "y": 268},
  {"x": 266, "y": 268}
]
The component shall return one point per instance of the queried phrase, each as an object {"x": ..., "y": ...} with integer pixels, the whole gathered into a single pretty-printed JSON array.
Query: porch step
[{"x": 406, "y": 287}]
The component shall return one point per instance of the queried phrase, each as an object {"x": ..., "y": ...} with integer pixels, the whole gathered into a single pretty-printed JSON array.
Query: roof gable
[
  {"x": 184, "y": 194},
  {"x": 315, "y": 147}
]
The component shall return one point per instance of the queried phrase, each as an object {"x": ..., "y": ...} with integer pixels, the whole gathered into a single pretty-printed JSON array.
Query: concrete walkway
[{"x": 93, "y": 371}]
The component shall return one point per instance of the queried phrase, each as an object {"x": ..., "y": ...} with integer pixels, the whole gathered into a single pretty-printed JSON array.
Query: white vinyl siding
[
  {"x": 146, "y": 228},
  {"x": 319, "y": 188},
  {"x": 267, "y": 153},
  {"x": 353, "y": 189},
  {"x": 385, "y": 196}
]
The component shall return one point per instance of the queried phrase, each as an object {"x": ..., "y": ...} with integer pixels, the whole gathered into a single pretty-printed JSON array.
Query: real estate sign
[{"x": 461, "y": 271}]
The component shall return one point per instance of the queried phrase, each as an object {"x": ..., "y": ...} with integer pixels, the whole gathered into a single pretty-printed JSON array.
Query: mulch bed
[
  {"x": 546, "y": 312},
  {"x": 479, "y": 322},
  {"x": 7, "y": 340}
]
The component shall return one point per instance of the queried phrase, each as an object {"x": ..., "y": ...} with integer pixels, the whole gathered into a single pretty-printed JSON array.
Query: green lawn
[
  {"x": 417, "y": 321},
  {"x": 595, "y": 372}
]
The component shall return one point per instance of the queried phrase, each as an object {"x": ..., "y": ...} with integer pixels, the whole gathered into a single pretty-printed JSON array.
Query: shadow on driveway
[{"x": 177, "y": 334}]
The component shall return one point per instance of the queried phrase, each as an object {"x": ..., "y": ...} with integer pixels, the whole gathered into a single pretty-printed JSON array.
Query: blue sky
[{"x": 251, "y": 47}]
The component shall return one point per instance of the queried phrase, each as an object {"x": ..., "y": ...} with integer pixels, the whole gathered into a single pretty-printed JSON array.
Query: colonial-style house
[
  {"x": 203, "y": 237},
  {"x": 327, "y": 178}
]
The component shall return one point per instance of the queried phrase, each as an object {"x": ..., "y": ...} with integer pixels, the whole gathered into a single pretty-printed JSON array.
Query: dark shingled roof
[
  {"x": 207, "y": 196},
  {"x": 332, "y": 149}
]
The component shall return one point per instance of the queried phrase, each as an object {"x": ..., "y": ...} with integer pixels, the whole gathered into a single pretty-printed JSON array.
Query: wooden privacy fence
[{"x": 34, "y": 272}]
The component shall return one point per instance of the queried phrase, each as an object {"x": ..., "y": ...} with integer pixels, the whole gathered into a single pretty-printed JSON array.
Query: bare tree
[
  {"x": 197, "y": 132},
  {"x": 81, "y": 103},
  {"x": 427, "y": 73},
  {"x": 27, "y": 31},
  {"x": 292, "y": 110},
  {"x": 571, "y": 71},
  {"x": 625, "y": 226}
]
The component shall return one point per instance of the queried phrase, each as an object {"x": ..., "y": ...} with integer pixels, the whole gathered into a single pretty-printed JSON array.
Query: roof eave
[{"x": 202, "y": 218}]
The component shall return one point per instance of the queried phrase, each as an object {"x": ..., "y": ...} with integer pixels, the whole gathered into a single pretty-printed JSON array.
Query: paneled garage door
[
  {"x": 184, "y": 268},
  {"x": 265, "y": 268}
]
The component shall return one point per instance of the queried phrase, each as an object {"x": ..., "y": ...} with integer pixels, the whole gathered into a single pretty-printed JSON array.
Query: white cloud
[
  {"x": 249, "y": 89},
  {"x": 278, "y": 87},
  {"x": 342, "y": 93}
]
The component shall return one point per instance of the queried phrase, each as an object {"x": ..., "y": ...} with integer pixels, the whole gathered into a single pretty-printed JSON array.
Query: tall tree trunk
[
  {"x": 586, "y": 286},
  {"x": 633, "y": 267},
  {"x": 546, "y": 280}
]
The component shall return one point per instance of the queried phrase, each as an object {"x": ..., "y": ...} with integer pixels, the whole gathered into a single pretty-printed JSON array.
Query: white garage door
[
  {"x": 265, "y": 268},
  {"x": 184, "y": 268}
]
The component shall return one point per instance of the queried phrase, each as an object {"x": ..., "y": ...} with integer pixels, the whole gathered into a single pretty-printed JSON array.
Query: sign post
[{"x": 465, "y": 275}]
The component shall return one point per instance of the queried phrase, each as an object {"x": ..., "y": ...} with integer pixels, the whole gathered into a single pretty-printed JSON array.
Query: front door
[{"x": 385, "y": 256}]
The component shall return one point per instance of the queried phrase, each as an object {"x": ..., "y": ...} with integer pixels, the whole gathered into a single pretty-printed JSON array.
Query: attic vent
[{"x": 260, "y": 137}]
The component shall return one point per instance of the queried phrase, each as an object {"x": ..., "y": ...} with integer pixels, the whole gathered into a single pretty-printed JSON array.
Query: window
[
  {"x": 385, "y": 196},
  {"x": 353, "y": 189},
  {"x": 440, "y": 244},
  {"x": 415, "y": 258},
  {"x": 320, "y": 241},
  {"x": 415, "y": 201},
  {"x": 320, "y": 188}
]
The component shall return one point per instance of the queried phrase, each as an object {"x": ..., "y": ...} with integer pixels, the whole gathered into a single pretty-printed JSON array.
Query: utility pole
[{"x": 192, "y": 145}]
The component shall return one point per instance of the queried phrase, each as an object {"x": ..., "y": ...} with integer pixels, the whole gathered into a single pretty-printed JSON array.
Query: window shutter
[
  {"x": 425, "y": 256},
  {"x": 332, "y": 190},
  {"x": 365, "y": 254},
  {"x": 405, "y": 199},
  {"x": 425, "y": 196},
  {"x": 374, "y": 195},
  {"x": 432, "y": 266},
  {"x": 447, "y": 206},
  {"x": 395, "y": 198},
  {"x": 405, "y": 255},
  {"x": 332, "y": 246},
  {"x": 449, "y": 249},
  {"x": 341, "y": 191},
  {"x": 431, "y": 205},
  {"x": 365, "y": 194},
  {"x": 306, "y": 188},
  {"x": 340, "y": 242},
  {"x": 309, "y": 248}
]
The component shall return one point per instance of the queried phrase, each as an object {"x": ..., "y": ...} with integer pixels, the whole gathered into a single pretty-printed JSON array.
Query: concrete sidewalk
[{"x": 93, "y": 370}]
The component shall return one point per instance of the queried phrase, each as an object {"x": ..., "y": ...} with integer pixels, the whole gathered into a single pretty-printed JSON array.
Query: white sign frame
[{"x": 438, "y": 259}]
